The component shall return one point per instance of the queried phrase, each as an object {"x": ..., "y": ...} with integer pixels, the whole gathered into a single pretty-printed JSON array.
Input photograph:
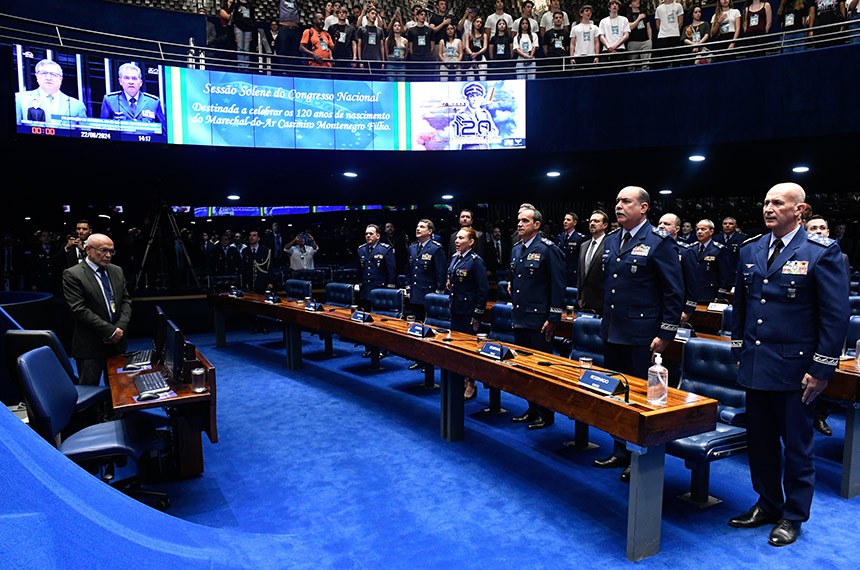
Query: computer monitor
[
  {"x": 159, "y": 334},
  {"x": 174, "y": 344}
]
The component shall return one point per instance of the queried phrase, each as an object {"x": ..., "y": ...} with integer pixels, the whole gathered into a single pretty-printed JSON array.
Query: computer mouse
[{"x": 146, "y": 396}]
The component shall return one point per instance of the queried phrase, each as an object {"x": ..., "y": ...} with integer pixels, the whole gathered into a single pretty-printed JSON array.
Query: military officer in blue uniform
[
  {"x": 789, "y": 325},
  {"x": 130, "y": 104},
  {"x": 670, "y": 223},
  {"x": 569, "y": 241},
  {"x": 426, "y": 268},
  {"x": 732, "y": 239},
  {"x": 713, "y": 273},
  {"x": 537, "y": 293},
  {"x": 643, "y": 297},
  {"x": 467, "y": 281},
  {"x": 376, "y": 263}
]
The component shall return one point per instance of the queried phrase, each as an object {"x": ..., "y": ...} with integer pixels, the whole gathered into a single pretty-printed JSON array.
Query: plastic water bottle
[{"x": 658, "y": 382}]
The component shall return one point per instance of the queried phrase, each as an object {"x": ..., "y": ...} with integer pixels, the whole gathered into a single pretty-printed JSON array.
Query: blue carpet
[{"x": 345, "y": 467}]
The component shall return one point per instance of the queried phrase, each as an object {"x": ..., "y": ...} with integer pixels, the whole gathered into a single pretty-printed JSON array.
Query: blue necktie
[{"x": 103, "y": 276}]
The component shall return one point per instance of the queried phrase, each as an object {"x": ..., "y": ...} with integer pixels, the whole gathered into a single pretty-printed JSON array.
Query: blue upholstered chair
[
  {"x": 709, "y": 369},
  {"x": 297, "y": 289},
  {"x": 570, "y": 296},
  {"x": 311, "y": 275},
  {"x": 438, "y": 310},
  {"x": 339, "y": 294},
  {"x": 387, "y": 302},
  {"x": 347, "y": 275},
  {"x": 586, "y": 340},
  {"x": 854, "y": 304},
  {"x": 99, "y": 448},
  {"x": 501, "y": 323},
  {"x": 502, "y": 295},
  {"x": 9, "y": 391},
  {"x": 853, "y": 333}
]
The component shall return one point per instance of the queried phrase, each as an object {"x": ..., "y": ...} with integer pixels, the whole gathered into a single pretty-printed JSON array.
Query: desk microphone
[
  {"x": 548, "y": 363},
  {"x": 626, "y": 384}
]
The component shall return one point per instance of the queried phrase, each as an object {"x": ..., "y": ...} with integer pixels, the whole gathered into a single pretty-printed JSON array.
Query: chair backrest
[
  {"x": 854, "y": 304},
  {"x": 709, "y": 369},
  {"x": 50, "y": 394},
  {"x": 387, "y": 302},
  {"x": 853, "y": 332},
  {"x": 345, "y": 275},
  {"x": 726, "y": 327},
  {"x": 311, "y": 275},
  {"x": 502, "y": 322},
  {"x": 570, "y": 296},
  {"x": 17, "y": 342},
  {"x": 502, "y": 294},
  {"x": 339, "y": 294},
  {"x": 438, "y": 310},
  {"x": 9, "y": 392},
  {"x": 585, "y": 334},
  {"x": 297, "y": 288}
]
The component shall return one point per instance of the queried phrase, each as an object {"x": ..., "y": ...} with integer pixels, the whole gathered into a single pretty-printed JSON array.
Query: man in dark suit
[
  {"x": 96, "y": 294},
  {"x": 589, "y": 280},
  {"x": 732, "y": 239},
  {"x": 643, "y": 297},
  {"x": 225, "y": 259},
  {"x": 43, "y": 273},
  {"x": 256, "y": 259},
  {"x": 465, "y": 220},
  {"x": 130, "y": 104},
  {"x": 713, "y": 273},
  {"x": 73, "y": 252},
  {"x": 498, "y": 252},
  {"x": 568, "y": 241},
  {"x": 788, "y": 328}
]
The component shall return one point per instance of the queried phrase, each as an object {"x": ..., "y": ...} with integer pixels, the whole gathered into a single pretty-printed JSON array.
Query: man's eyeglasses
[
  {"x": 53, "y": 74},
  {"x": 106, "y": 250}
]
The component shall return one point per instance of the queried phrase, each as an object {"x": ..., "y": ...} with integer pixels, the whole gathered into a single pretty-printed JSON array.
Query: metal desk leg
[
  {"x": 429, "y": 377},
  {"x": 293, "y": 343},
  {"x": 850, "y": 485},
  {"x": 645, "y": 510},
  {"x": 580, "y": 438},
  {"x": 451, "y": 398},
  {"x": 495, "y": 403},
  {"x": 220, "y": 328}
]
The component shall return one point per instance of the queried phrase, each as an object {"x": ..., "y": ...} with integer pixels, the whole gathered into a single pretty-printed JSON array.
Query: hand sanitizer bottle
[{"x": 658, "y": 382}]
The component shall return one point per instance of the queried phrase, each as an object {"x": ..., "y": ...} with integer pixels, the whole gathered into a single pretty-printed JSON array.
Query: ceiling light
[
  {"x": 27, "y": 218},
  {"x": 447, "y": 196},
  {"x": 696, "y": 158},
  {"x": 233, "y": 197},
  {"x": 665, "y": 192},
  {"x": 553, "y": 174},
  {"x": 350, "y": 174},
  {"x": 104, "y": 216},
  {"x": 800, "y": 169}
]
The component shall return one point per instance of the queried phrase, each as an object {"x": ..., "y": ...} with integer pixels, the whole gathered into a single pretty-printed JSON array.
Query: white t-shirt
[
  {"x": 532, "y": 22},
  {"x": 546, "y": 20},
  {"x": 330, "y": 20},
  {"x": 613, "y": 29},
  {"x": 493, "y": 19},
  {"x": 728, "y": 25},
  {"x": 669, "y": 16},
  {"x": 525, "y": 44},
  {"x": 583, "y": 37},
  {"x": 301, "y": 260}
]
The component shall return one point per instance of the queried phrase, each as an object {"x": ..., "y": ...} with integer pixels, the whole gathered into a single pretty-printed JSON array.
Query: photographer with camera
[{"x": 301, "y": 250}]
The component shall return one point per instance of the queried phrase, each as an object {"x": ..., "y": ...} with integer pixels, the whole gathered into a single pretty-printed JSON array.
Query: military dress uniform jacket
[
  {"x": 733, "y": 243},
  {"x": 643, "y": 288},
  {"x": 713, "y": 271},
  {"x": 147, "y": 108},
  {"x": 537, "y": 283},
  {"x": 425, "y": 270},
  {"x": 570, "y": 248},
  {"x": 469, "y": 285},
  {"x": 255, "y": 267},
  {"x": 377, "y": 267},
  {"x": 791, "y": 319},
  {"x": 689, "y": 263}
]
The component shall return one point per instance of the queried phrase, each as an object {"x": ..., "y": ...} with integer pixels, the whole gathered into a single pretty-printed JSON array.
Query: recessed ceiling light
[
  {"x": 696, "y": 158},
  {"x": 665, "y": 192},
  {"x": 553, "y": 174},
  {"x": 208, "y": 219},
  {"x": 104, "y": 216},
  {"x": 447, "y": 196},
  {"x": 27, "y": 218},
  {"x": 800, "y": 169},
  {"x": 233, "y": 197},
  {"x": 350, "y": 174}
]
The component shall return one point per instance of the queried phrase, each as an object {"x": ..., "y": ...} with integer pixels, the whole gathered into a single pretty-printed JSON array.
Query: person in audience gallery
[
  {"x": 475, "y": 45},
  {"x": 525, "y": 47},
  {"x": 639, "y": 43},
  {"x": 450, "y": 54},
  {"x": 696, "y": 34},
  {"x": 316, "y": 43},
  {"x": 130, "y": 103},
  {"x": 46, "y": 102}
]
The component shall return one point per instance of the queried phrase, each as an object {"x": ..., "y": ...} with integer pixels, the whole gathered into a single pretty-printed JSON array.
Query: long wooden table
[
  {"x": 548, "y": 380},
  {"x": 190, "y": 413}
]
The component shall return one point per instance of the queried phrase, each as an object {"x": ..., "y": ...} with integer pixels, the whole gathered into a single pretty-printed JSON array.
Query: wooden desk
[
  {"x": 646, "y": 428},
  {"x": 189, "y": 413},
  {"x": 843, "y": 389}
]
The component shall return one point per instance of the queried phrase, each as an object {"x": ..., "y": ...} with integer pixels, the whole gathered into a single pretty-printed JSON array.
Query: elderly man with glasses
[{"x": 47, "y": 103}]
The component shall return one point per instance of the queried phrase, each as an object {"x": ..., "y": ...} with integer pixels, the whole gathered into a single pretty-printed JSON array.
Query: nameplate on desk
[
  {"x": 314, "y": 306},
  {"x": 496, "y": 351},
  {"x": 420, "y": 329},
  {"x": 273, "y": 299},
  {"x": 717, "y": 307},
  {"x": 600, "y": 382},
  {"x": 586, "y": 316},
  {"x": 683, "y": 335},
  {"x": 361, "y": 317}
]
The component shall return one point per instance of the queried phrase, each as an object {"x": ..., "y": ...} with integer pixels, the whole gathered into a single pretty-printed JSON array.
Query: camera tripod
[{"x": 177, "y": 238}]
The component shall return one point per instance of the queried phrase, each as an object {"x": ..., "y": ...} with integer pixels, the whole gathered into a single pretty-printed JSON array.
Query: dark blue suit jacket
[
  {"x": 713, "y": 271},
  {"x": 425, "y": 272},
  {"x": 148, "y": 108},
  {"x": 469, "y": 285},
  {"x": 537, "y": 283},
  {"x": 377, "y": 267}
]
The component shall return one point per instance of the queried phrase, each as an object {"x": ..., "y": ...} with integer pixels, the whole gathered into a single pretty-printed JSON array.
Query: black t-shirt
[
  {"x": 372, "y": 38},
  {"x": 501, "y": 47},
  {"x": 638, "y": 33},
  {"x": 435, "y": 20},
  {"x": 342, "y": 36},
  {"x": 557, "y": 42},
  {"x": 420, "y": 39}
]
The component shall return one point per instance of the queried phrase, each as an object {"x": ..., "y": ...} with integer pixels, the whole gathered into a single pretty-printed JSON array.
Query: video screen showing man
[
  {"x": 473, "y": 127},
  {"x": 47, "y": 103},
  {"x": 130, "y": 103}
]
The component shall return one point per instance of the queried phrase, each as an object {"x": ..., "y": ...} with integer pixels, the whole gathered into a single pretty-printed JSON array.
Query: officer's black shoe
[
  {"x": 625, "y": 475},
  {"x": 820, "y": 425},
  {"x": 755, "y": 517},
  {"x": 785, "y": 532},
  {"x": 528, "y": 416},
  {"x": 611, "y": 462}
]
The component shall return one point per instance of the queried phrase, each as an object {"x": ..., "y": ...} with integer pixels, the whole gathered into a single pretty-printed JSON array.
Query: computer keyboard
[
  {"x": 152, "y": 382},
  {"x": 140, "y": 357}
]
